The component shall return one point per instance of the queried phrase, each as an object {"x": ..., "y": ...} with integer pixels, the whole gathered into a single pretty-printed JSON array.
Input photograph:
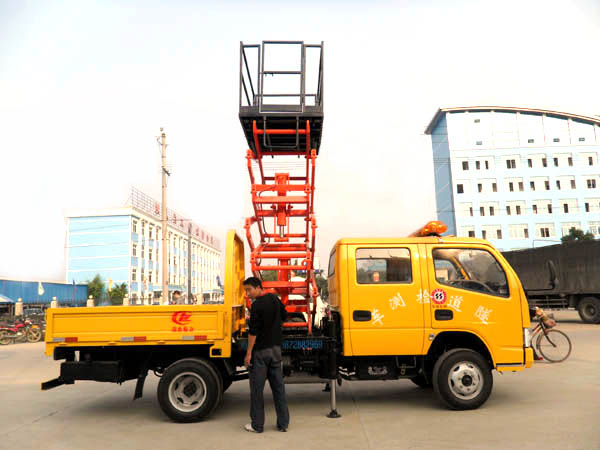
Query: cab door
[{"x": 384, "y": 282}]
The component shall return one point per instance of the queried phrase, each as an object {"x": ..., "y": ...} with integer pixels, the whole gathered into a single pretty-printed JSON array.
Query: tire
[
  {"x": 421, "y": 381},
  {"x": 589, "y": 310},
  {"x": 5, "y": 337},
  {"x": 34, "y": 334},
  {"x": 462, "y": 379},
  {"x": 204, "y": 390},
  {"x": 554, "y": 346}
]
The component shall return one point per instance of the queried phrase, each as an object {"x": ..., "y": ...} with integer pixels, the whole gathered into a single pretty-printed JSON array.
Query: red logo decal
[
  {"x": 438, "y": 296},
  {"x": 181, "y": 317}
]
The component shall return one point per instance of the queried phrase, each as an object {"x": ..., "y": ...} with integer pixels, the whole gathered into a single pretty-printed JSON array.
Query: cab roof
[{"x": 411, "y": 240}]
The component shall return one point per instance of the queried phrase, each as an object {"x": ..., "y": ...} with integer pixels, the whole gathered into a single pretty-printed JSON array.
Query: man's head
[
  {"x": 253, "y": 287},
  {"x": 176, "y": 294}
]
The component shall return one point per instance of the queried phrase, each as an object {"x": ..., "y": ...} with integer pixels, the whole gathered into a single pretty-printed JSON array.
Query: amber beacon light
[{"x": 433, "y": 228}]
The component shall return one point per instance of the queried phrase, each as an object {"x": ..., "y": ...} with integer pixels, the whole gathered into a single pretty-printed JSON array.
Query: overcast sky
[{"x": 85, "y": 87}]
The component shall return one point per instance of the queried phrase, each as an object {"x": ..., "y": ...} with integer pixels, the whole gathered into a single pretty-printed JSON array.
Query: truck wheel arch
[{"x": 448, "y": 340}]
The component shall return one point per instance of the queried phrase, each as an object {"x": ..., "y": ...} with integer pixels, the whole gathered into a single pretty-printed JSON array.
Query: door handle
[
  {"x": 359, "y": 315},
  {"x": 443, "y": 314}
]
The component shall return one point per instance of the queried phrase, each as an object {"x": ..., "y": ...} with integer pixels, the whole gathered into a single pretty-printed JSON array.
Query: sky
[{"x": 85, "y": 87}]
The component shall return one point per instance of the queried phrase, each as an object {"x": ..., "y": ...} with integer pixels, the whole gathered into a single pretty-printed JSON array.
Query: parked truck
[
  {"x": 440, "y": 311},
  {"x": 574, "y": 280}
]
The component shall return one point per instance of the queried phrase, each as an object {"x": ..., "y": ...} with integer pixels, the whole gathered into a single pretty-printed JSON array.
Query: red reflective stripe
[
  {"x": 139, "y": 339},
  {"x": 199, "y": 338},
  {"x": 71, "y": 339}
]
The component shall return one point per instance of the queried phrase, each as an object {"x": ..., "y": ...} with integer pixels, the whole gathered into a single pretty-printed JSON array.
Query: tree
[
  {"x": 322, "y": 286},
  {"x": 575, "y": 234},
  {"x": 96, "y": 288},
  {"x": 117, "y": 293},
  {"x": 269, "y": 275}
]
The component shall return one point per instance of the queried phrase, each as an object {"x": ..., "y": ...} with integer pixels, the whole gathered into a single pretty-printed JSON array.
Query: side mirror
[{"x": 552, "y": 272}]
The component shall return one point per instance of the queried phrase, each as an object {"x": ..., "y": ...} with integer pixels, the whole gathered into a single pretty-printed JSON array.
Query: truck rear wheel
[
  {"x": 190, "y": 390},
  {"x": 462, "y": 379},
  {"x": 589, "y": 310}
]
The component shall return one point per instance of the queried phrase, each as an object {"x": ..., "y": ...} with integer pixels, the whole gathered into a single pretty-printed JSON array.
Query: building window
[
  {"x": 491, "y": 210},
  {"x": 572, "y": 184},
  {"x": 471, "y": 211},
  {"x": 558, "y": 184},
  {"x": 511, "y": 164},
  {"x": 133, "y": 274},
  {"x": 150, "y": 277},
  {"x": 143, "y": 252},
  {"x": 566, "y": 207},
  {"x": 570, "y": 161},
  {"x": 479, "y": 187},
  {"x": 549, "y": 208},
  {"x": 535, "y": 209},
  {"x": 581, "y": 139},
  {"x": 487, "y": 165},
  {"x": 477, "y": 165},
  {"x": 526, "y": 233},
  {"x": 465, "y": 165},
  {"x": 476, "y": 120},
  {"x": 555, "y": 162},
  {"x": 529, "y": 162},
  {"x": 591, "y": 184},
  {"x": 134, "y": 226},
  {"x": 494, "y": 187},
  {"x": 481, "y": 211},
  {"x": 459, "y": 189},
  {"x": 150, "y": 254},
  {"x": 471, "y": 233},
  {"x": 547, "y": 184},
  {"x": 587, "y": 207},
  {"x": 134, "y": 250},
  {"x": 556, "y": 140},
  {"x": 150, "y": 231},
  {"x": 532, "y": 185},
  {"x": 518, "y": 210},
  {"x": 143, "y": 228},
  {"x": 483, "y": 234},
  {"x": 545, "y": 232},
  {"x": 590, "y": 160},
  {"x": 479, "y": 143},
  {"x": 544, "y": 162},
  {"x": 530, "y": 141},
  {"x": 521, "y": 186},
  {"x": 511, "y": 187},
  {"x": 508, "y": 210},
  {"x": 499, "y": 234}
]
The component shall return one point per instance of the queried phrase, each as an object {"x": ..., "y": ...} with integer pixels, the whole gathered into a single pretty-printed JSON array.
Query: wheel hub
[
  {"x": 465, "y": 380},
  {"x": 187, "y": 392}
]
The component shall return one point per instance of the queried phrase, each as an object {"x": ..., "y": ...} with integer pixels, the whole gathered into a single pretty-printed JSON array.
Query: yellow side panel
[{"x": 234, "y": 278}]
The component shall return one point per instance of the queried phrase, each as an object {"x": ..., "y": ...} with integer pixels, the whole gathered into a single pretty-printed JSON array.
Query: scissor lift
[{"x": 283, "y": 130}]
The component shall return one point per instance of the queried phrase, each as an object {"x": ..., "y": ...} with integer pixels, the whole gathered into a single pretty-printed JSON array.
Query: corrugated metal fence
[{"x": 30, "y": 291}]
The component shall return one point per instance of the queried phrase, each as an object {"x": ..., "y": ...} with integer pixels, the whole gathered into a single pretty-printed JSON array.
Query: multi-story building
[
  {"x": 124, "y": 246},
  {"x": 519, "y": 177}
]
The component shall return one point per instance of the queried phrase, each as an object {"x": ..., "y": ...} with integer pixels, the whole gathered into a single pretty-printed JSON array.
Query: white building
[
  {"x": 124, "y": 246},
  {"x": 519, "y": 177}
]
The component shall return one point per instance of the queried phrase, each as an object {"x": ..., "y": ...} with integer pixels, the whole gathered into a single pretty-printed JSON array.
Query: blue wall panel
[
  {"x": 28, "y": 291},
  {"x": 442, "y": 177}
]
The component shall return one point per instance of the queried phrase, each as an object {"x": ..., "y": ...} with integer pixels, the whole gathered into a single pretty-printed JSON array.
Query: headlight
[{"x": 527, "y": 337}]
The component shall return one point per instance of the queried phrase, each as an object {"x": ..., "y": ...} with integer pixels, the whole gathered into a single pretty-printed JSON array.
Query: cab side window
[
  {"x": 383, "y": 266},
  {"x": 470, "y": 269}
]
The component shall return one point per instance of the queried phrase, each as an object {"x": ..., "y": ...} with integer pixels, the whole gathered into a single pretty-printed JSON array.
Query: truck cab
[{"x": 406, "y": 305}]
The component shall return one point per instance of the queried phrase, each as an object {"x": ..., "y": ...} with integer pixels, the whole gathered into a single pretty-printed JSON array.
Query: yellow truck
[{"x": 440, "y": 311}]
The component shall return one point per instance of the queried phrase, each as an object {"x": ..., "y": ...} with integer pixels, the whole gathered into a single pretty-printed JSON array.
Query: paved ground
[{"x": 551, "y": 406}]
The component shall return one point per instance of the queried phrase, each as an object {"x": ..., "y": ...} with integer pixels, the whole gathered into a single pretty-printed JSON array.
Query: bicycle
[{"x": 554, "y": 345}]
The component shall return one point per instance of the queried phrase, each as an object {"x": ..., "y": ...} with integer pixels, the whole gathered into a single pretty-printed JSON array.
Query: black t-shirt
[{"x": 266, "y": 316}]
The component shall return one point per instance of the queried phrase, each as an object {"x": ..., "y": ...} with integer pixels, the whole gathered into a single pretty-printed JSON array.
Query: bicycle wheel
[{"x": 555, "y": 346}]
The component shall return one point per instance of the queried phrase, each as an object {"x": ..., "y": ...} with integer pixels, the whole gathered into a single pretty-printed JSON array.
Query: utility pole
[
  {"x": 165, "y": 256},
  {"x": 189, "y": 262}
]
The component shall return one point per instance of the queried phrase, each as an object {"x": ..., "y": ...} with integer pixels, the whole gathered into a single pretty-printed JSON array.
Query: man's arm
[
  {"x": 283, "y": 312},
  {"x": 253, "y": 327}
]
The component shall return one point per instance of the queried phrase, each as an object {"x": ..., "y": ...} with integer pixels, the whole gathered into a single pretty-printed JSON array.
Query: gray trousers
[{"x": 266, "y": 365}]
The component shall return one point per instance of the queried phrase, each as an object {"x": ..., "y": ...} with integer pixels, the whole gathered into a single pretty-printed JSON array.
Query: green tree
[
  {"x": 576, "y": 234},
  {"x": 269, "y": 275},
  {"x": 117, "y": 293},
  {"x": 322, "y": 286},
  {"x": 96, "y": 288}
]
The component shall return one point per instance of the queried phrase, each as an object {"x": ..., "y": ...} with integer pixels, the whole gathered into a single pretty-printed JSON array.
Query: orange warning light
[{"x": 433, "y": 228}]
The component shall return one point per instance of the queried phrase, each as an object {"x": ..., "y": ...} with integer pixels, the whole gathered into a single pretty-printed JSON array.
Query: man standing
[{"x": 263, "y": 358}]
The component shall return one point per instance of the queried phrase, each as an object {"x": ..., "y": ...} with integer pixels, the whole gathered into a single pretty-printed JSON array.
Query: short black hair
[
  {"x": 177, "y": 292},
  {"x": 254, "y": 282}
]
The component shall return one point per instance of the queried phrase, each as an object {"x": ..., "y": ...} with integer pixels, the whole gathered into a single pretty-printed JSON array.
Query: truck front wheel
[
  {"x": 189, "y": 390},
  {"x": 462, "y": 379},
  {"x": 589, "y": 310}
]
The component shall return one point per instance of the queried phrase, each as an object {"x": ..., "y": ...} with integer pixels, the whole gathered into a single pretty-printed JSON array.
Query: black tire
[
  {"x": 554, "y": 346},
  {"x": 421, "y": 381},
  {"x": 5, "y": 337},
  {"x": 34, "y": 334},
  {"x": 589, "y": 310},
  {"x": 201, "y": 379},
  {"x": 462, "y": 379}
]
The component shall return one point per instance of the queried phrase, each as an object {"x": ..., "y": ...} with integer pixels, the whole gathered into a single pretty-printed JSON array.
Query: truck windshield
[{"x": 470, "y": 269}]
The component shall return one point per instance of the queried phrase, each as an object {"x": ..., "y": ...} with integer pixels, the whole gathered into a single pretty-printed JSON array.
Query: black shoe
[{"x": 282, "y": 429}]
